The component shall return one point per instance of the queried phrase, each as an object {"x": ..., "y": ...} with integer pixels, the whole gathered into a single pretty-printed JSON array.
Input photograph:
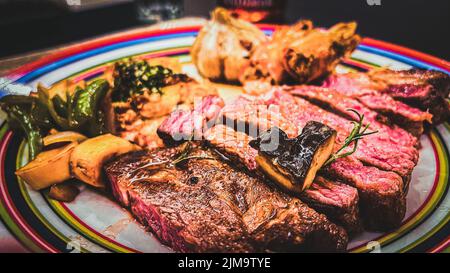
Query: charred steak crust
[{"x": 208, "y": 206}]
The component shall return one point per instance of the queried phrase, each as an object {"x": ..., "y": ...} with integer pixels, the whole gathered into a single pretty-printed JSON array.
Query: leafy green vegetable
[
  {"x": 45, "y": 99},
  {"x": 71, "y": 104},
  {"x": 40, "y": 115},
  {"x": 34, "y": 136}
]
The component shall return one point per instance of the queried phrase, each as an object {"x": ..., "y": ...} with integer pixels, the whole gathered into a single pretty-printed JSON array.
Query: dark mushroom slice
[{"x": 294, "y": 162}]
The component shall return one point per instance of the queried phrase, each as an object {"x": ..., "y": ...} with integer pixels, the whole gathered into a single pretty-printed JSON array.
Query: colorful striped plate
[{"x": 95, "y": 223}]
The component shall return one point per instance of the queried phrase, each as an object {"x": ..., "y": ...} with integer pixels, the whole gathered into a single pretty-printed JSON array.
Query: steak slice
[
  {"x": 360, "y": 86},
  {"x": 339, "y": 202},
  {"x": 412, "y": 119},
  {"x": 427, "y": 90},
  {"x": 205, "y": 205},
  {"x": 330, "y": 99},
  {"x": 381, "y": 193},
  {"x": 183, "y": 125}
]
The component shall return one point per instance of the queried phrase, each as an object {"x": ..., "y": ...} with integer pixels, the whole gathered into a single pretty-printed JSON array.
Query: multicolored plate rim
[{"x": 26, "y": 222}]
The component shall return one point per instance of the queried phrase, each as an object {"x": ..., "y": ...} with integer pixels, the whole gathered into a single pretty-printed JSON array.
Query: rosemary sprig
[{"x": 358, "y": 132}]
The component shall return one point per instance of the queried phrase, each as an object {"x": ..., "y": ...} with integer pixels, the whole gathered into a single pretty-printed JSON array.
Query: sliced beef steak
[
  {"x": 339, "y": 202},
  {"x": 412, "y": 119},
  {"x": 361, "y": 87},
  {"x": 279, "y": 108},
  {"x": 182, "y": 125},
  {"x": 205, "y": 205},
  {"x": 427, "y": 90},
  {"x": 382, "y": 193},
  {"x": 332, "y": 100}
]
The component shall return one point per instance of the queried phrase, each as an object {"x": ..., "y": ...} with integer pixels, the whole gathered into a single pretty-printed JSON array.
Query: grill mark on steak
[
  {"x": 225, "y": 210},
  {"x": 382, "y": 193},
  {"x": 339, "y": 202}
]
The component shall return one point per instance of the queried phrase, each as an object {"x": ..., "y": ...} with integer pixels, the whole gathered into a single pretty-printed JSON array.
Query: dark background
[{"x": 33, "y": 25}]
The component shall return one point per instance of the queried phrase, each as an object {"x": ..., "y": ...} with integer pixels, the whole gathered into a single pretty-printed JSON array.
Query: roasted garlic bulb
[{"x": 223, "y": 46}]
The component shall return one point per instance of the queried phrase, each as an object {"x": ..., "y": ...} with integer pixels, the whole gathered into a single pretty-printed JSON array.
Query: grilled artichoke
[{"x": 223, "y": 46}]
